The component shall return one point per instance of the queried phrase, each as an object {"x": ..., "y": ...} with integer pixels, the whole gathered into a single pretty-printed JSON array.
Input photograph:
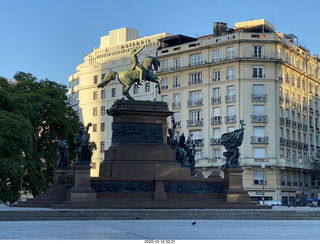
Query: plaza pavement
[{"x": 161, "y": 229}]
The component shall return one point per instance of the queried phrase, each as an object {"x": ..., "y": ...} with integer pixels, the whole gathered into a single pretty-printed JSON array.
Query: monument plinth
[{"x": 139, "y": 146}]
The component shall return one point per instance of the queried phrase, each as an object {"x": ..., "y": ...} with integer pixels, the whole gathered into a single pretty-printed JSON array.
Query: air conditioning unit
[{"x": 260, "y": 139}]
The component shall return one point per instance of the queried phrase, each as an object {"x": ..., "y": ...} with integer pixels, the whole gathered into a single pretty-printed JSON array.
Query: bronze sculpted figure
[
  {"x": 62, "y": 155},
  {"x": 84, "y": 149},
  {"x": 135, "y": 74},
  {"x": 231, "y": 141},
  {"x": 185, "y": 150}
]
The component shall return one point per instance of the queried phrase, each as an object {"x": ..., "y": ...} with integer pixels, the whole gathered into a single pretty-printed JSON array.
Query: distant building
[
  {"x": 90, "y": 102},
  {"x": 253, "y": 73}
]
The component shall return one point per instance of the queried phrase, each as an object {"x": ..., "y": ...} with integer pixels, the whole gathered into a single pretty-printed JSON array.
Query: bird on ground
[{"x": 194, "y": 223}]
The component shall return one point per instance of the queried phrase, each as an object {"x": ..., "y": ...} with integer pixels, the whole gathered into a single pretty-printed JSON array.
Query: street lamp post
[
  {"x": 263, "y": 167},
  {"x": 301, "y": 181}
]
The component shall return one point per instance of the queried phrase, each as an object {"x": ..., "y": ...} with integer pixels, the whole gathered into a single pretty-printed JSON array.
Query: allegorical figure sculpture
[
  {"x": 231, "y": 141},
  {"x": 62, "y": 155},
  {"x": 135, "y": 74},
  {"x": 84, "y": 149},
  {"x": 185, "y": 150}
]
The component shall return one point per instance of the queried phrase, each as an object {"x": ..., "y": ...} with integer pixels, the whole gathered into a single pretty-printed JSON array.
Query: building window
[
  {"x": 195, "y": 99},
  {"x": 94, "y": 127},
  {"x": 257, "y": 52},
  {"x": 195, "y": 59},
  {"x": 230, "y": 118},
  {"x": 95, "y": 111},
  {"x": 216, "y": 116},
  {"x": 258, "y": 177},
  {"x": 230, "y": 94},
  {"x": 216, "y": 98},
  {"x": 216, "y": 75},
  {"x": 147, "y": 87},
  {"x": 102, "y": 146},
  {"x": 164, "y": 65},
  {"x": 95, "y": 95},
  {"x": 164, "y": 84},
  {"x": 103, "y": 110},
  {"x": 135, "y": 89},
  {"x": 177, "y": 119},
  {"x": 176, "y": 82},
  {"x": 195, "y": 79},
  {"x": 164, "y": 98},
  {"x": 257, "y": 72},
  {"x": 216, "y": 153},
  {"x": 230, "y": 52},
  {"x": 195, "y": 118},
  {"x": 216, "y": 55},
  {"x": 103, "y": 126},
  {"x": 176, "y": 63},
  {"x": 95, "y": 79},
  {"x": 113, "y": 92},
  {"x": 258, "y": 152},
  {"x": 196, "y": 138},
  {"x": 103, "y": 94},
  {"x": 176, "y": 101},
  {"x": 102, "y": 76},
  {"x": 230, "y": 74}
]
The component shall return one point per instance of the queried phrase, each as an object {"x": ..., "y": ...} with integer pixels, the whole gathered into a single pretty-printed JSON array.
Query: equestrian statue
[{"x": 136, "y": 74}]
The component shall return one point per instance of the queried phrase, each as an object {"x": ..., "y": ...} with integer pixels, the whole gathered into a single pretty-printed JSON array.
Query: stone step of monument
[{"x": 131, "y": 214}]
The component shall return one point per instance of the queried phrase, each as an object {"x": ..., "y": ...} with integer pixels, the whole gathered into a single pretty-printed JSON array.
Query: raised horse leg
[{"x": 126, "y": 89}]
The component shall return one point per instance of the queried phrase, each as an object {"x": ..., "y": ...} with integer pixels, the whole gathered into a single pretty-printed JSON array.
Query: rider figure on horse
[{"x": 134, "y": 64}]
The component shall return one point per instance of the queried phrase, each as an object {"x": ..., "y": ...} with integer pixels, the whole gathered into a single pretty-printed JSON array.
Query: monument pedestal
[
  {"x": 139, "y": 148},
  {"x": 234, "y": 187},
  {"x": 82, "y": 190},
  {"x": 60, "y": 177}
]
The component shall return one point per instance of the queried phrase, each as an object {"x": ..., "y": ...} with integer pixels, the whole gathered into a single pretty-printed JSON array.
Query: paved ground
[{"x": 161, "y": 229}]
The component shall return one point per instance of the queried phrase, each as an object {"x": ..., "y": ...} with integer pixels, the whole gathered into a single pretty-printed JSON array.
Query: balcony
[
  {"x": 259, "y": 182},
  {"x": 259, "y": 118},
  {"x": 195, "y": 82},
  {"x": 176, "y": 105},
  {"x": 258, "y": 98},
  {"x": 230, "y": 98},
  {"x": 216, "y": 120},
  {"x": 216, "y": 79},
  {"x": 281, "y": 121},
  {"x": 293, "y": 124},
  {"x": 230, "y": 119},
  {"x": 288, "y": 122},
  {"x": 282, "y": 141},
  {"x": 259, "y": 140},
  {"x": 230, "y": 77},
  {"x": 215, "y": 141},
  {"x": 281, "y": 99},
  {"x": 304, "y": 127},
  {"x": 195, "y": 122},
  {"x": 197, "y": 142},
  {"x": 258, "y": 76},
  {"x": 215, "y": 100},
  {"x": 195, "y": 103}
]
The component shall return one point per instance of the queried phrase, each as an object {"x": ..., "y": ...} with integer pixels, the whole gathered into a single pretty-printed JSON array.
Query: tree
[{"x": 34, "y": 116}]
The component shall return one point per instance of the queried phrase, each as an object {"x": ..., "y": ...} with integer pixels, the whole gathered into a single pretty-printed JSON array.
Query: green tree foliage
[{"x": 34, "y": 115}]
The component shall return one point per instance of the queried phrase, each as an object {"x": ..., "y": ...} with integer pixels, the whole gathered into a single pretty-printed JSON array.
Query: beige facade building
[
  {"x": 249, "y": 72},
  {"x": 254, "y": 74},
  {"x": 91, "y": 102}
]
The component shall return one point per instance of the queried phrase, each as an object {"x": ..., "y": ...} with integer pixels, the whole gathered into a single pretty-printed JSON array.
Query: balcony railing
[
  {"x": 230, "y": 98},
  {"x": 215, "y": 100},
  {"x": 259, "y": 140},
  {"x": 230, "y": 77},
  {"x": 258, "y": 98},
  {"x": 197, "y": 142},
  {"x": 259, "y": 118},
  {"x": 195, "y": 122},
  {"x": 216, "y": 120},
  {"x": 215, "y": 141},
  {"x": 258, "y": 76},
  {"x": 230, "y": 119},
  {"x": 282, "y": 141},
  {"x": 176, "y": 105},
  {"x": 195, "y": 103},
  {"x": 216, "y": 79}
]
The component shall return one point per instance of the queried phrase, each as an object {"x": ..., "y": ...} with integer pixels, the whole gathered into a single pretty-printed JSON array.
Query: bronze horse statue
[{"x": 129, "y": 77}]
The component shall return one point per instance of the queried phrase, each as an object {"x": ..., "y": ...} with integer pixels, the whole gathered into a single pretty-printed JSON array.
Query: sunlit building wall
[{"x": 251, "y": 73}]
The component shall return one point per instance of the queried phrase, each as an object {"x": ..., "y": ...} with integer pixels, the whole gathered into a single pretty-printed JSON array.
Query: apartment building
[
  {"x": 251, "y": 73},
  {"x": 90, "y": 102}
]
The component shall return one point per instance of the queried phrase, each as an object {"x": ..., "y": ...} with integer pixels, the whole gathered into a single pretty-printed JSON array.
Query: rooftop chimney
[{"x": 219, "y": 28}]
